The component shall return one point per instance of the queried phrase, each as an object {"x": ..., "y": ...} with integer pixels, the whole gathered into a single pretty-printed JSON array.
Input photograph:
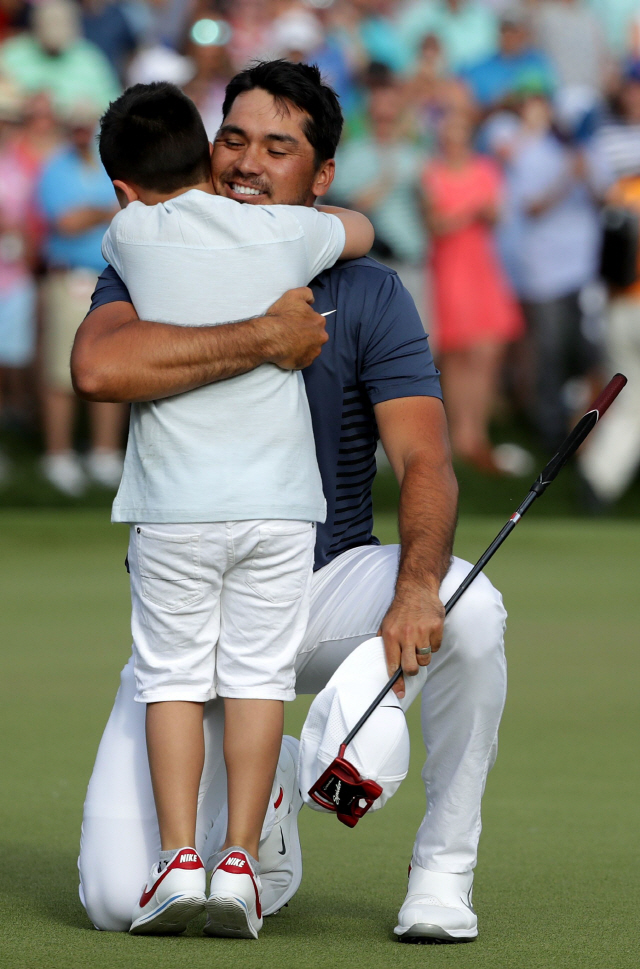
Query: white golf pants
[{"x": 461, "y": 705}]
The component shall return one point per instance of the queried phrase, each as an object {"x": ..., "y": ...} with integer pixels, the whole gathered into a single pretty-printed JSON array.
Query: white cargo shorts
[{"x": 219, "y": 609}]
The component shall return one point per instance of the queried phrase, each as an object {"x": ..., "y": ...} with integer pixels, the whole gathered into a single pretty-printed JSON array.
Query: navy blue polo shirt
[{"x": 377, "y": 351}]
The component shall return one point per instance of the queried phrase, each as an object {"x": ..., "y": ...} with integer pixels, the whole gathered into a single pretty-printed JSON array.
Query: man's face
[{"x": 261, "y": 154}]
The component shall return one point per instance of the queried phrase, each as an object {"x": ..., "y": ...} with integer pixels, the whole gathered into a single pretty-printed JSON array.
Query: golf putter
[{"x": 341, "y": 788}]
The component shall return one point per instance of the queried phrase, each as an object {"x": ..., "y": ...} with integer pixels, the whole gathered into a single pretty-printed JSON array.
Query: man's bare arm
[
  {"x": 414, "y": 434},
  {"x": 119, "y": 357}
]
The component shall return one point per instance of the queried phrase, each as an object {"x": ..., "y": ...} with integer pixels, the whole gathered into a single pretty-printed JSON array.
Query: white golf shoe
[
  {"x": 437, "y": 908},
  {"x": 172, "y": 896},
  {"x": 233, "y": 907},
  {"x": 280, "y": 854}
]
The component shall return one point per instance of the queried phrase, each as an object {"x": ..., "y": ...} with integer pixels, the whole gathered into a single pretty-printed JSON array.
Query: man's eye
[
  {"x": 233, "y": 144},
  {"x": 278, "y": 154}
]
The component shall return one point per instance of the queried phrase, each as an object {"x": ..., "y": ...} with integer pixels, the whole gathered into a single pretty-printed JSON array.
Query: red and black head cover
[{"x": 343, "y": 790}]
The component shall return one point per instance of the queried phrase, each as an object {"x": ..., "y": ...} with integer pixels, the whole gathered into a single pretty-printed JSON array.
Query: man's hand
[
  {"x": 415, "y": 620},
  {"x": 119, "y": 357},
  {"x": 296, "y": 333}
]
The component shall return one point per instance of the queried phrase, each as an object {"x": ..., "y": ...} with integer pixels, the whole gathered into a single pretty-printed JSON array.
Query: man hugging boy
[{"x": 222, "y": 491}]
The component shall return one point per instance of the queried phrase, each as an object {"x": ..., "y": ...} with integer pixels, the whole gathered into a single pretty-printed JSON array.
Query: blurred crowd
[{"x": 495, "y": 145}]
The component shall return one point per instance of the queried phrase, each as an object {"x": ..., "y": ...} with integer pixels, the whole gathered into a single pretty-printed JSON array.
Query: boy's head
[{"x": 152, "y": 138}]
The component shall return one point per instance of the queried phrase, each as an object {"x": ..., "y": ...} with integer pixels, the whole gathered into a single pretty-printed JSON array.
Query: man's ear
[
  {"x": 323, "y": 178},
  {"x": 125, "y": 193}
]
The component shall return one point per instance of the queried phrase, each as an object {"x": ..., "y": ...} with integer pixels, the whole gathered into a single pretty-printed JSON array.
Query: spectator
[
  {"x": 212, "y": 72},
  {"x": 17, "y": 289},
  {"x": 39, "y": 134},
  {"x": 106, "y": 24},
  {"x": 379, "y": 174},
  {"x": 554, "y": 191},
  {"x": 428, "y": 88},
  {"x": 475, "y": 312},
  {"x": 618, "y": 18},
  {"x": 369, "y": 28},
  {"x": 77, "y": 200},
  {"x": 467, "y": 29},
  {"x": 612, "y": 455},
  {"x": 493, "y": 80},
  {"x": 573, "y": 39},
  {"x": 55, "y": 58}
]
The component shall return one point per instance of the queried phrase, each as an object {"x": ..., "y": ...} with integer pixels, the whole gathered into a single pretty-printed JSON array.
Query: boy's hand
[{"x": 296, "y": 333}]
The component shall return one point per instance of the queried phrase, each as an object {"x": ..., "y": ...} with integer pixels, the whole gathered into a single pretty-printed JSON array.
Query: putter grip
[
  {"x": 609, "y": 394},
  {"x": 582, "y": 429}
]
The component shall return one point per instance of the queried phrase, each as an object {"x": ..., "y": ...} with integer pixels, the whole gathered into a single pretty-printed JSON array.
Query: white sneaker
[
  {"x": 64, "y": 472},
  {"x": 105, "y": 467},
  {"x": 437, "y": 907},
  {"x": 280, "y": 854},
  {"x": 171, "y": 897},
  {"x": 233, "y": 905}
]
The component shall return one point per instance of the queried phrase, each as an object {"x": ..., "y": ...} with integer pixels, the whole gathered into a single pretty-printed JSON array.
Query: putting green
[{"x": 556, "y": 883}]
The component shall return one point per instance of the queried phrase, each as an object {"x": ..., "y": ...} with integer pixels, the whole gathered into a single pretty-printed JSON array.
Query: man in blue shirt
[
  {"x": 75, "y": 196},
  {"x": 516, "y": 61},
  {"x": 374, "y": 377}
]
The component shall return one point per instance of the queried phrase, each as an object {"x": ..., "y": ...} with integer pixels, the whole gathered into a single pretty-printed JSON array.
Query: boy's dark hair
[
  {"x": 153, "y": 136},
  {"x": 301, "y": 85}
]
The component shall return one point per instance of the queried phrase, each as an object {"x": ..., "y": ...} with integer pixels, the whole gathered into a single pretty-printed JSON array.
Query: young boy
[{"x": 222, "y": 491}]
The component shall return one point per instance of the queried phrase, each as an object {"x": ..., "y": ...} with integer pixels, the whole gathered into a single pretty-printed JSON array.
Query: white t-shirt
[{"x": 240, "y": 448}]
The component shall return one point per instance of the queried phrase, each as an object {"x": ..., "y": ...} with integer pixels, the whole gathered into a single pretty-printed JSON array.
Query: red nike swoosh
[{"x": 147, "y": 895}]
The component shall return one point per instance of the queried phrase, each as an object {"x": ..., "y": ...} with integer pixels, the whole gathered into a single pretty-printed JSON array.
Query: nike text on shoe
[
  {"x": 171, "y": 897},
  {"x": 233, "y": 905},
  {"x": 437, "y": 908},
  {"x": 280, "y": 854}
]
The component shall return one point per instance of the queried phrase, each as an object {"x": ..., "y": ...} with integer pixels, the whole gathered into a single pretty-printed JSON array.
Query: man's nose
[{"x": 249, "y": 162}]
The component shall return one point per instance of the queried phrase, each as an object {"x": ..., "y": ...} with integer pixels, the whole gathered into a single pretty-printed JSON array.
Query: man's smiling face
[{"x": 262, "y": 155}]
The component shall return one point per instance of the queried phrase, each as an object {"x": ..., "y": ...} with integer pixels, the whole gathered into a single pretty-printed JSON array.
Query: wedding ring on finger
[{"x": 423, "y": 652}]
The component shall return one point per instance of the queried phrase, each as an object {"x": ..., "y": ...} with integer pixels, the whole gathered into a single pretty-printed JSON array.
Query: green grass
[{"x": 556, "y": 884}]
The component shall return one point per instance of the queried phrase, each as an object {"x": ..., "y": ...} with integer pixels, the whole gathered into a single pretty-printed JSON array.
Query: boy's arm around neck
[
  {"x": 359, "y": 231},
  {"x": 118, "y": 357}
]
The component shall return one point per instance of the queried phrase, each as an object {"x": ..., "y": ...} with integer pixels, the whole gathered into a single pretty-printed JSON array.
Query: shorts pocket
[
  {"x": 279, "y": 568},
  {"x": 169, "y": 568}
]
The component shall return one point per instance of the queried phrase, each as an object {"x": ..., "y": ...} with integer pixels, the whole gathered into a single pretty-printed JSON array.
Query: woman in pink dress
[{"x": 475, "y": 314}]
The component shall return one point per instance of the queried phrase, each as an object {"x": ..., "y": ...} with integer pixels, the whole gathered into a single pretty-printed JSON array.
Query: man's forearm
[
  {"x": 138, "y": 360},
  {"x": 427, "y": 521},
  {"x": 118, "y": 357}
]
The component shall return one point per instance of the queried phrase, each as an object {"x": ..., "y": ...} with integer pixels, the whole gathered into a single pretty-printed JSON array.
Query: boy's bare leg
[
  {"x": 175, "y": 743},
  {"x": 252, "y": 738}
]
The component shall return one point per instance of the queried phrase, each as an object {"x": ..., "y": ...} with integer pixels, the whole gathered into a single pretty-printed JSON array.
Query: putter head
[{"x": 341, "y": 789}]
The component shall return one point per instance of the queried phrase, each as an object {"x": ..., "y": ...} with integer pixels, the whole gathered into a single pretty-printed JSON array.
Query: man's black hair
[
  {"x": 153, "y": 136},
  {"x": 302, "y": 86}
]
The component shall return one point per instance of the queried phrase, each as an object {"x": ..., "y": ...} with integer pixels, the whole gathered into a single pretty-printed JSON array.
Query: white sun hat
[{"x": 380, "y": 750}]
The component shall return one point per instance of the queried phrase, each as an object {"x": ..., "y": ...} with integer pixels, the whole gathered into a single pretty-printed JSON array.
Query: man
[
  {"x": 375, "y": 373},
  {"x": 76, "y": 199},
  {"x": 493, "y": 81}
]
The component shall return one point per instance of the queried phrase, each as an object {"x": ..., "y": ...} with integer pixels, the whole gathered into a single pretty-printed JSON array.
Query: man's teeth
[{"x": 245, "y": 190}]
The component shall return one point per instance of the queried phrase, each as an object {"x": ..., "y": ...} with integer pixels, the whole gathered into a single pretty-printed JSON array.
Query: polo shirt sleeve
[
  {"x": 395, "y": 358},
  {"x": 324, "y": 238},
  {"x": 109, "y": 289}
]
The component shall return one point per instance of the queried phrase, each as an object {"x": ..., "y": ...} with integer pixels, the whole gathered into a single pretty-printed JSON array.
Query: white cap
[
  {"x": 160, "y": 64},
  {"x": 298, "y": 30},
  {"x": 380, "y": 750}
]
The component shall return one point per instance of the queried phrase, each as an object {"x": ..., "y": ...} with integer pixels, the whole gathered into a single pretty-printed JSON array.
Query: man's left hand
[{"x": 415, "y": 620}]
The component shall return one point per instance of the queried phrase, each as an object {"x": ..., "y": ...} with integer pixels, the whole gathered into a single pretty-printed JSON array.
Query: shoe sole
[
  {"x": 289, "y": 825},
  {"x": 228, "y": 918},
  {"x": 170, "y": 918},
  {"x": 422, "y": 933}
]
